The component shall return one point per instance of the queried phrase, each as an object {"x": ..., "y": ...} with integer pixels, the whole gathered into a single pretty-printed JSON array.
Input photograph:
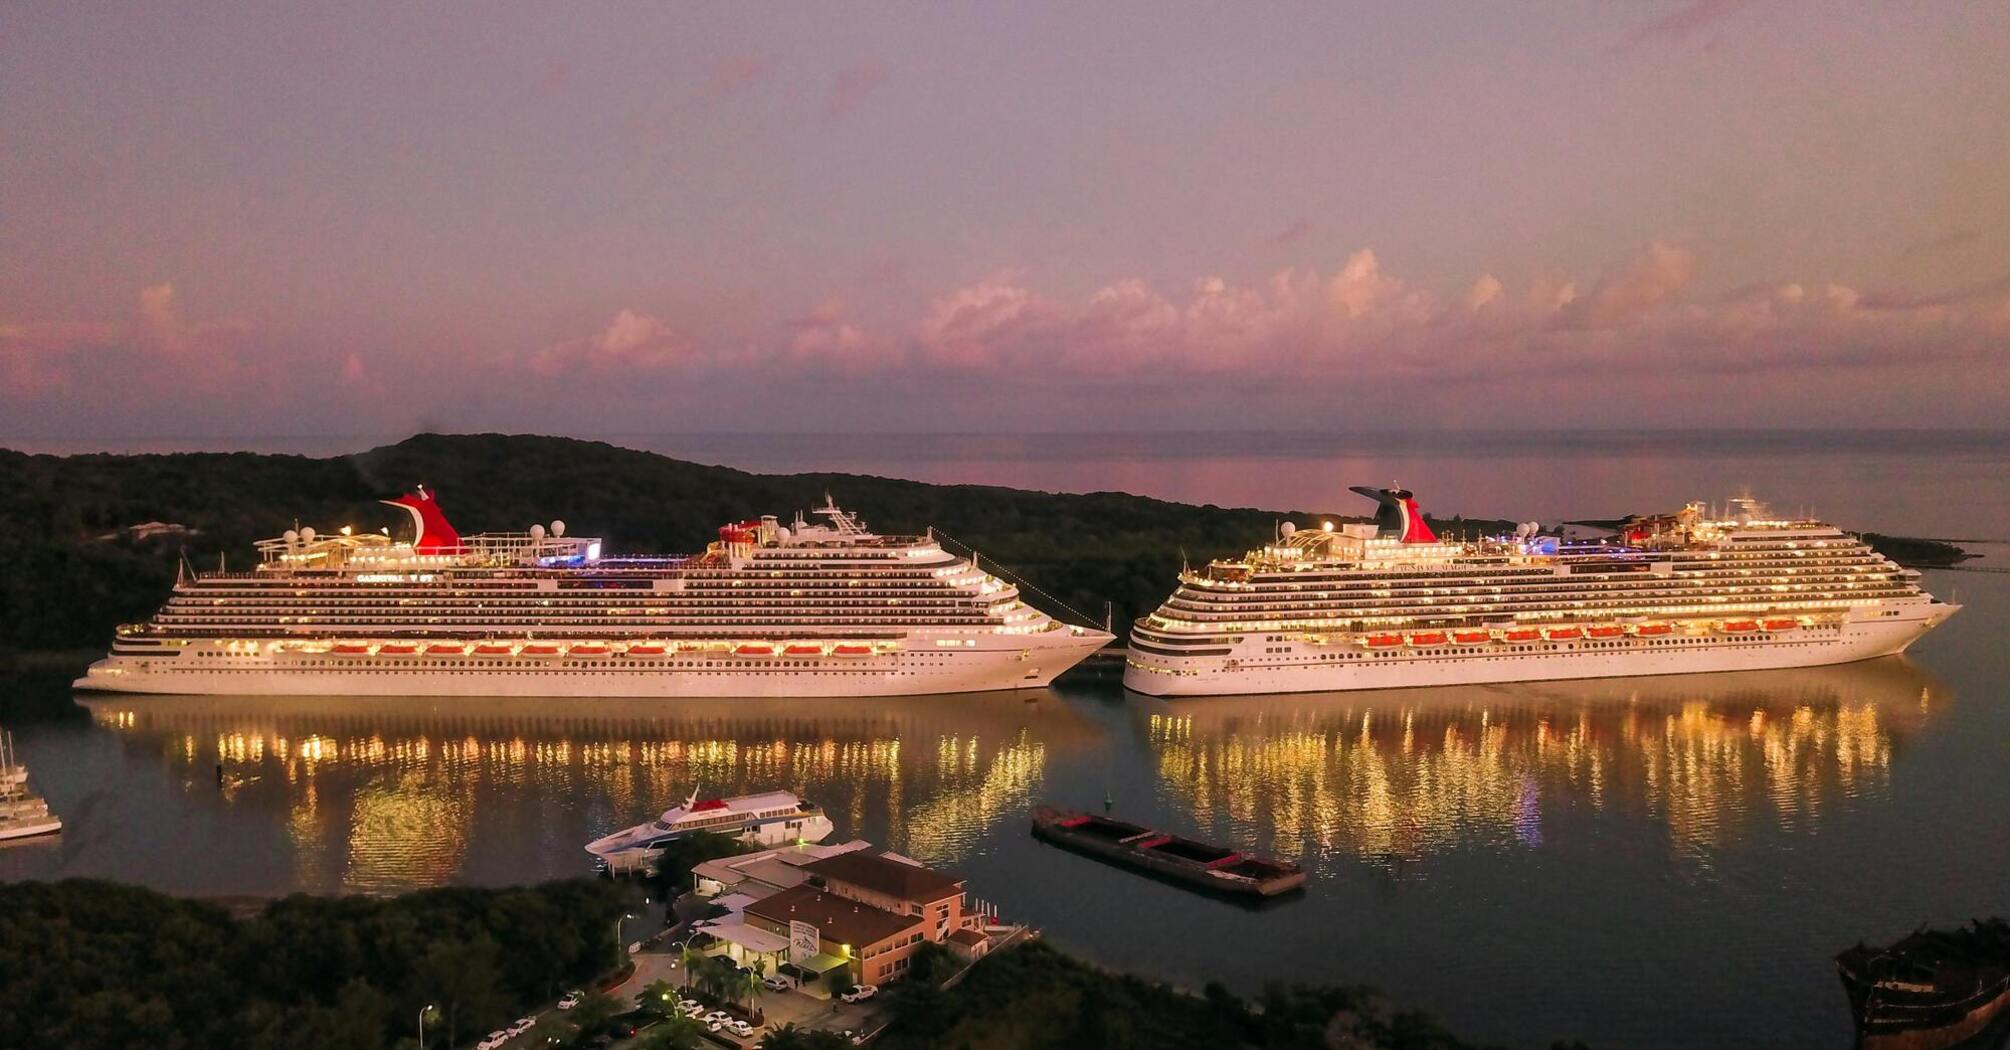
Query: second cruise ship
[
  {"x": 1390, "y": 604},
  {"x": 808, "y": 609}
]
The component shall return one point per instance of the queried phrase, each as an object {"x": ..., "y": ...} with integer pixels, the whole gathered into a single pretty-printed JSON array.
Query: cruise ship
[
  {"x": 772, "y": 819},
  {"x": 1391, "y": 605},
  {"x": 809, "y": 609}
]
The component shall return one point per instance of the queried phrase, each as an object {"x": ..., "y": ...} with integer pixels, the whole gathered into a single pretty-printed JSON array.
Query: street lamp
[
  {"x": 423, "y": 1011},
  {"x": 620, "y": 953}
]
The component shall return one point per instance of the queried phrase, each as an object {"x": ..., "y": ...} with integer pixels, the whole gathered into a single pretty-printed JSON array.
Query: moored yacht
[{"x": 769, "y": 819}]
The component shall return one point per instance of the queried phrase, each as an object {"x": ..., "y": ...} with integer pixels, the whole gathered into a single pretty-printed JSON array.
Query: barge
[
  {"x": 1214, "y": 869},
  {"x": 1932, "y": 989}
]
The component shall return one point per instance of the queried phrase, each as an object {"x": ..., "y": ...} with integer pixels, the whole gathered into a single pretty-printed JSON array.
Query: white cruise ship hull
[
  {"x": 1263, "y": 666},
  {"x": 203, "y": 670}
]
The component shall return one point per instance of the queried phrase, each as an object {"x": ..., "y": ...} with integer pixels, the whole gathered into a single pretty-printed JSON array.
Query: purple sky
[{"x": 261, "y": 219}]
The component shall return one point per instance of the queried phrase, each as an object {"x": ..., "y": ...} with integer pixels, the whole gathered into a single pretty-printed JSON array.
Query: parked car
[
  {"x": 776, "y": 984},
  {"x": 741, "y": 1028},
  {"x": 571, "y": 999},
  {"x": 522, "y": 1025},
  {"x": 860, "y": 994},
  {"x": 495, "y": 1039}
]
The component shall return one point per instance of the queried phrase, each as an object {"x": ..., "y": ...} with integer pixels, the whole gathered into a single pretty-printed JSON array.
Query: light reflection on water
[
  {"x": 1395, "y": 777},
  {"x": 399, "y": 789}
]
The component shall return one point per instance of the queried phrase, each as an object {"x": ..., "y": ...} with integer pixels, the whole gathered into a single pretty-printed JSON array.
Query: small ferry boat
[
  {"x": 1215, "y": 869},
  {"x": 1931, "y": 989},
  {"x": 769, "y": 819},
  {"x": 23, "y": 814}
]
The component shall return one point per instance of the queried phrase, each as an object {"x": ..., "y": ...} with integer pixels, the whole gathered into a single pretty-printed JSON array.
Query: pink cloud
[
  {"x": 631, "y": 342},
  {"x": 1682, "y": 23},
  {"x": 153, "y": 344},
  {"x": 1628, "y": 291},
  {"x": 851, "y": 85},
  {"x": 734, "y": 74}
]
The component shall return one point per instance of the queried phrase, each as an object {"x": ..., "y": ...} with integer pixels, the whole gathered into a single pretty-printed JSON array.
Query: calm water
[{"x": 1639, "y": 863}]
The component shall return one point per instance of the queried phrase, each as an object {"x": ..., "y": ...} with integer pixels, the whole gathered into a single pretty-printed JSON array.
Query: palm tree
[
  {"x": 658, "y": 997},
  {"x": 691, "y": 958},
  {"x": 749, "y": 982}
]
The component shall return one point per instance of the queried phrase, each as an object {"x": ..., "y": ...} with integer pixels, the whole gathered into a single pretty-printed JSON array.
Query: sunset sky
[{"x": 227, "y": 220}]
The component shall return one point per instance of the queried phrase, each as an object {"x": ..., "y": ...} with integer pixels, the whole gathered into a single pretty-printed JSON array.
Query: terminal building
[{"x": 847, "y": 906}]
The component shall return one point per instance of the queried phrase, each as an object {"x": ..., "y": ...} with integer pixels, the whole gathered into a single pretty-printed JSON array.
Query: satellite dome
[
  {"x": 537, "y": 533},
  {"x": 781, "y": 534},
  {"x": 290, "y": 536},
  {"x": 557, "y": 528},
  {"x": 307, "y": 535},
  {"x": 1287, "y": 528}
]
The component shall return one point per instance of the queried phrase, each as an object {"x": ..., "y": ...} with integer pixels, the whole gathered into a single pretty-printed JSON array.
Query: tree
[
  {"x": 592, "y": 1015},
  {"x": 691, "y": 957},
  {"x": 794, "y": 1037},
  {"x": 677, "y": 1032},
  {"x": 658, "y": 997}
]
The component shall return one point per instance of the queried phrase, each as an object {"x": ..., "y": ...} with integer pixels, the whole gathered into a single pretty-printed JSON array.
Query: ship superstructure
[
  {"x": 810, "y": 609},
  {"x": 1391, "y": 604}
]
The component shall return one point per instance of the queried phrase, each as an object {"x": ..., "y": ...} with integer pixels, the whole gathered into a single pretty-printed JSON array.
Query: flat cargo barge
[{"x": 1215, "y": 869}]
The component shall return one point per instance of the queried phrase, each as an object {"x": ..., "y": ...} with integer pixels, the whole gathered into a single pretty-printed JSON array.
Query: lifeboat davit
[
  {"x": 1606, "y": 632},
  {"x": 851, "y": 650},
  {"x": 803, "y": 650},
  {"x": 1562, "y": 634},
  {"x": 538, "y": 649},
  {"x": 754, "y": 649},
  {"x": 588, "y": 649},
  {"x": 645, "y": 649},
  {"x": 1653, "y": 630},
  {"x": 1472, "y": 637},
  {"x": 492, "y": 649},
  {"x": 445, "y": 649},
  {"x": 349, "y": 649},
  {"x": 1382, "y": 641},
  {"x": 396, "y": 649},
  {"x": 1782, "y": 625},
  {"x": 1521, "y": 634},
  {"x": 1740, "y": 626},
  {"x": 1423, "y": 638}
]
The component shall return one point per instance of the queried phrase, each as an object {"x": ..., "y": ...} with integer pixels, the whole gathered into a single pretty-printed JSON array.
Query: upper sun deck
[
  {"x": 435, "y": 546},
  {"x": 1397, "y": 541}
]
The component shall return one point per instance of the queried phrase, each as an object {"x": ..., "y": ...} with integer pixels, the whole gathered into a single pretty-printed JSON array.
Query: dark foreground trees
[
  {"x": 1035, "y": 996},
  {"x": 103, "y": 965}
]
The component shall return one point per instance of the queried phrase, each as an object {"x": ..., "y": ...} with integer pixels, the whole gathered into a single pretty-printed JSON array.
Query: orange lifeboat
[
  {"x": 588, "y": 649},
  {"x": 538, "y": 649},
  {"x": 1521, "y": 634},
  {"x": 754, "y": 649},
  {"x": 396, "y": 649},
  {"x": 803, "y": 649},
  {"x": 349, "y": 649},
  {"x": 1562, "y": 634},
  {"x": 1783, "y": 625},
  {"x": 1382, "y": 641},
  {"x": 1472, "y": 637},
  {"x": 492, "y": 649},
  {"x": 645, "y": 649},
  {"x": 445, "y": 649},
  {"x": 1606, "y": 631},
  {"x": 1423, "y": 638},
  {"x": 1654, "y": 630},
  {"x": 1740, "y": 626},
  {"x": 851, "y": 650}
]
